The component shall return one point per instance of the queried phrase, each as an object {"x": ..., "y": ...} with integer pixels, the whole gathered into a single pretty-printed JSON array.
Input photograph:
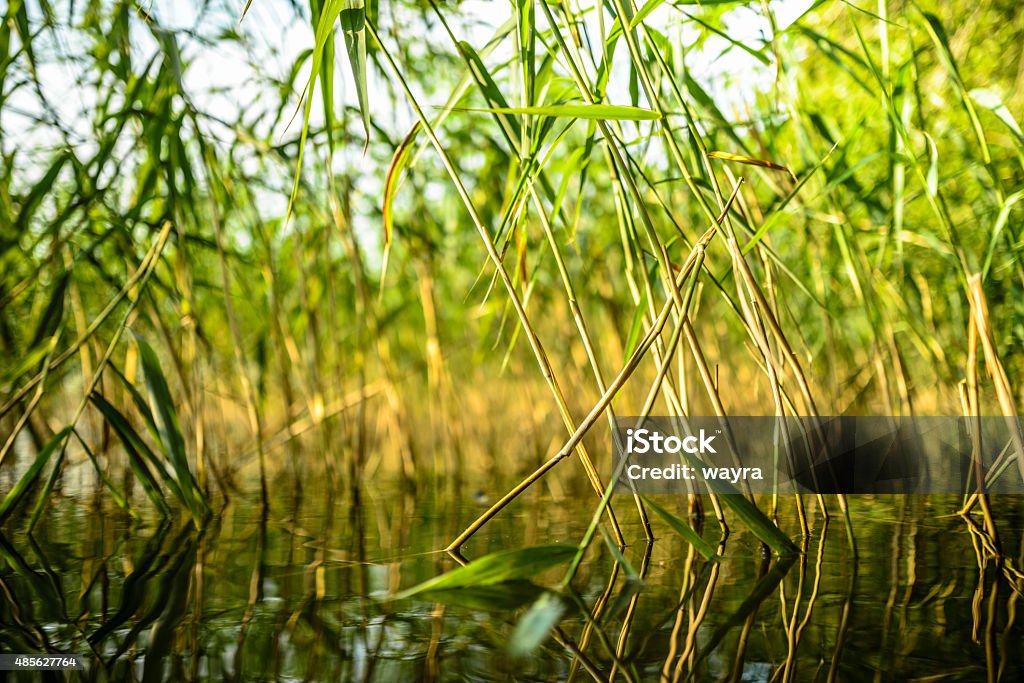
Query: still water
[{"x": 301, "y": 593}]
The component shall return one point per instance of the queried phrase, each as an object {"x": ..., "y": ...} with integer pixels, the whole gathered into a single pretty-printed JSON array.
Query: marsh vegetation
[{"x": 314, "y": 319}]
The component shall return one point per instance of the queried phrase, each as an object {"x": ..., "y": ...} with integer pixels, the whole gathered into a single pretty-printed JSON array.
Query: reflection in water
[{"x": 301, "y": 593}]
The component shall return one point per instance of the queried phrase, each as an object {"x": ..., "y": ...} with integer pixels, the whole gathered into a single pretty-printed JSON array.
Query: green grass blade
[
  {"x": 636, "y": 325},
  {"x": 752, "y": 517},
  {"x": 997, "y": 230},
  {"x": 776, "y": 214},
  {"x": 631, "y": 573},
  {"x": 324, "y": 30},
  {"x": 941, "y": 41},
  {"x": 507, "y": 565},
  {"x": 597, "y": 112},
  {"x": 32, "y": 474},
  {"x": 45, "y": 185},
  {"x": 652, "y": 5},
  {"x": 47, "y": 592},
  {"x": 756, "y": 54},
  {"x": 644, "y": 12},
  {"x": 168, "y": 427},
  {"x": 510, "y": 127},
  {"x": 49, "y": 322},
  {"x": 501, "y": 597},
  {"x": 135, "y": 447},
  {"x": 44, "y": 495},
  {"x": 684, "y": 530},
  {"x": 353, "y": 26},
  {"x": 536, "y": 625},
  {"x": 991, "y": 100},
  {"x": 326, "y": 76},
  {"x": 750, "y": 161},
  {"x": 527, "y": 34},
  {"x": 755, "y": 520},
  {"x": 391, "y": 184},
  {"x": 119, "y": 498}
]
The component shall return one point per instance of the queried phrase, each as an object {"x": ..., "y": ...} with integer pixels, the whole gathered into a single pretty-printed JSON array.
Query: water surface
[{"x": 301, "y": 593}]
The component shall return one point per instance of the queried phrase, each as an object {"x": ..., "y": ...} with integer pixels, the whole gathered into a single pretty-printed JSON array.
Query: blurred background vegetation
[{"x": 187, "y": 247}]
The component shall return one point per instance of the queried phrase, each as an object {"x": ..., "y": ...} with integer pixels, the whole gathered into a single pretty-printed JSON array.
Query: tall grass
[{"x": 354, "y": 261}]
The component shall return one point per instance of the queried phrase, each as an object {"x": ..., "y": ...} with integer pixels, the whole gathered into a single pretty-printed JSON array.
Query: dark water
[{"x": 300, "y": 594}]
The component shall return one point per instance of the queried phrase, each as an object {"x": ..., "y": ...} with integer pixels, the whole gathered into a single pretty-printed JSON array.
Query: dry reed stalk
[
  {"x": 595, "y": 413},
  {"x": 531, "y": 335}
]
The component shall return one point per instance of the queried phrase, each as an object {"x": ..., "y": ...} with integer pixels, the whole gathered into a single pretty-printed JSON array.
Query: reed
[{"x": 347, "y": 267}]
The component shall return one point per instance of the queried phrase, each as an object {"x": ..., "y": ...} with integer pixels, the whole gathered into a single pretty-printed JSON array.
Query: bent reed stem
[
  {"x": 496, "y": 260},
  {"x": 595, "y": 412}
]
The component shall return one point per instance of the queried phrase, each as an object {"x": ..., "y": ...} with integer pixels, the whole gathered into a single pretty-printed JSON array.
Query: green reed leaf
[
  {"x": 33, "y": 473},
  {"x": 507, "y": 565},
  {"x": 599, "y": 112},
  {"x": 391, "y": 183},
  {"x": 49, "y": 322},
  {"x": 138, "y": 452},
  {"x": 620, "y": 559},
  {"x": 353, "y": 27},
  {"x": 684, "y": 530},
  {"x": 501, "y": 597},
  {"x": 990, "y": 99},
  {"x": 35, "y": 196},
  {"x": 777, "y": 212},
  {"x": 536, "y": 625},
  {"x": 169, "y": 430},
  {"x": 751, "y": 516}
]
